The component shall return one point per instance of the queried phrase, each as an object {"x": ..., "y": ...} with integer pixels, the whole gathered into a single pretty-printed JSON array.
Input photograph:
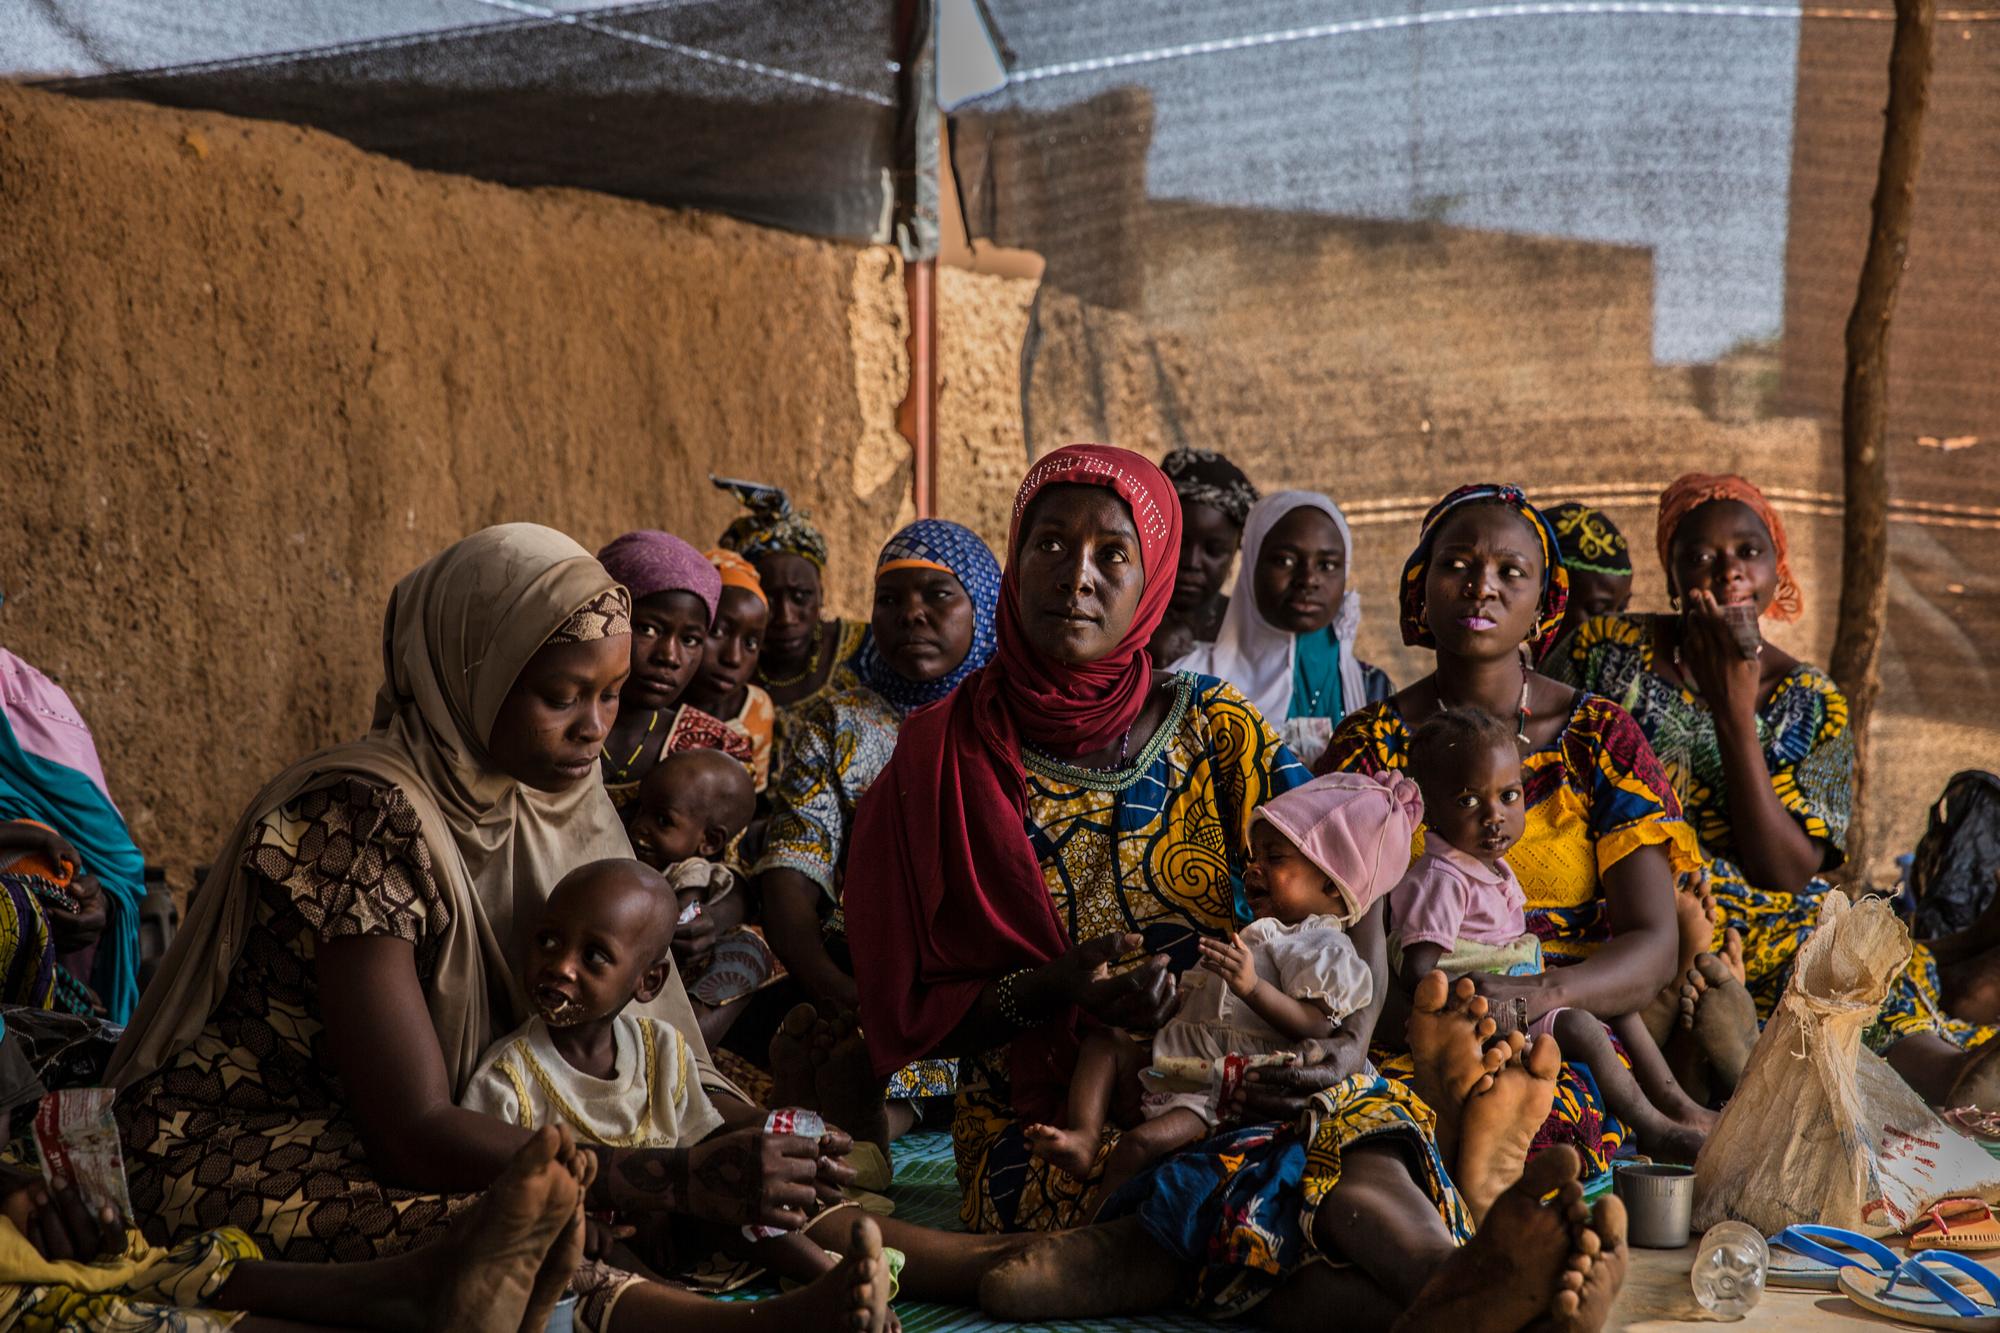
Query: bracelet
[{"x": 1003, "y": 995}]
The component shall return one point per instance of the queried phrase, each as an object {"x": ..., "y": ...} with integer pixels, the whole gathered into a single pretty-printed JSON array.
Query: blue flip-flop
[
  {"x": 1917, "y": 1293},
  {"x": 1803, "y": 1257}
]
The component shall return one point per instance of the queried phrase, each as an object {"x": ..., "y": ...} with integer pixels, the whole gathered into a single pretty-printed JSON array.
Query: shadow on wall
[{"x": 253, "y": 375}]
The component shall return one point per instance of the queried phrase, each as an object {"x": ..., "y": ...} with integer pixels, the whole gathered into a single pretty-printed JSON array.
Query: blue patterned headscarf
[{"x": 935, "y": 544}]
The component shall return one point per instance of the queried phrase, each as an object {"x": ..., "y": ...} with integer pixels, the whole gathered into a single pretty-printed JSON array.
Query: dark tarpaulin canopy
[{"x": 782, "y": 112}]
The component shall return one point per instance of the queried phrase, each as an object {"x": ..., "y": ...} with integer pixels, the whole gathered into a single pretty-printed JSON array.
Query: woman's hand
[
  {"x": 21, "y": 837},
  {"x": 1231, "y": 961},
  {"x": 1502, "y": 991},
  {"x": 59, "y": 1224},
  {"x": 1727, "y": 679},
  {"x": 85, "y": 926},
  {"x": 739, "y": 1177},
  {"x": 1280, "y": 1093},
  {"x": 1141, "y": 999}
]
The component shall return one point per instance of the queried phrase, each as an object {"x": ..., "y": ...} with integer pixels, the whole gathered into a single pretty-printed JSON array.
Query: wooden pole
[{"x": 1864, "y": 404}]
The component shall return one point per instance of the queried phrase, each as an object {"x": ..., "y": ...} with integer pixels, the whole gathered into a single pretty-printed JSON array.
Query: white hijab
[{"x": 1256, "y": 656}]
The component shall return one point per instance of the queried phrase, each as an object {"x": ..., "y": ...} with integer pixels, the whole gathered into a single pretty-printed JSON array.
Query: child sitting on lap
[
  {"x": 1462, "y": 910},
  {"x": 688, "y": 811},
  {"x": 1322, "y": 854},
  {"x": 615, "y": 1078}
]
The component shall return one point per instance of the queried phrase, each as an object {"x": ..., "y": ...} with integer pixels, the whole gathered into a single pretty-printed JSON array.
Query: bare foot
[
  {"x": 849, "y": 1095},
  {"x": 1978, "y": 1081},
  {"x": 1717, "y": 1008},
  {"x": 1092, "y": 1272},
  {"x": 1596, "y": 1272},
  {"x": 1067, "y": 1150},
  {"x": 793, "y": 1081},
  {"x": 1512, "y": 1272},
  {"x": 1499, "y": 1122},
  {"x": 1448, "y": 1028},
  {"x": 559, "y": 1266},
  {"x": 1732, "y": 956},
  {"x": 1671, "y": 1141},
  {"x": 494, "y": 1258},
  {"x": 1695, "y": 917}
]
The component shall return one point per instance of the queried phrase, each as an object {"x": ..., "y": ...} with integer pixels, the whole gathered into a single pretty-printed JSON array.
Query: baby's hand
[{"x": 1230, "y": 960}]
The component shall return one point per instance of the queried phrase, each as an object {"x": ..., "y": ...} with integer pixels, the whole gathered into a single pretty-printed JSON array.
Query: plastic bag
[
  {"x": 1821, "y": 1129},
  {"x": 77, "y": 1136},
  {"x": 1952, "y": 874}
]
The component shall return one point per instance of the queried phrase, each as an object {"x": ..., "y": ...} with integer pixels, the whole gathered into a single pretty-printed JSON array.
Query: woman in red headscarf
[{"x": 1067, "y": 807}]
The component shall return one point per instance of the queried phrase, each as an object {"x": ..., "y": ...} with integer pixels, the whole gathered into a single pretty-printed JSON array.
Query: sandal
[
  {"x": 1803, "y": 1258},
  {"x": 1967, "y": 1225},
  {"x": 1917, "y": 1293},
  {"x": 1983, "y": 1125}
]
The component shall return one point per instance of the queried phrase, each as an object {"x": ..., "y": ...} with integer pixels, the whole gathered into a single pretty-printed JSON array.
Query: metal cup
[{"x": 1659, "y": 1203}]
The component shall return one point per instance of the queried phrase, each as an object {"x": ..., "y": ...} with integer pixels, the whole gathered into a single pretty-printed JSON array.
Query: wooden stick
[{"x": 1864, "y": 404}]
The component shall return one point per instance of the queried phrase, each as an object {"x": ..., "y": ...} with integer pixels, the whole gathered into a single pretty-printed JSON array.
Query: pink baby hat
[{"x": 1356, "y": 827}]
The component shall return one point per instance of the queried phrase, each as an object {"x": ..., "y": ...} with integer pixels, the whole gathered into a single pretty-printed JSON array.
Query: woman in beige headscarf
[{"x": 293, "y": 1069}]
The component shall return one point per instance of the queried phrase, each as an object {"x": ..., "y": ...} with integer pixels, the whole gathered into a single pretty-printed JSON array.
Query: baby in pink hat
[{"x": 1321, "y": 856}]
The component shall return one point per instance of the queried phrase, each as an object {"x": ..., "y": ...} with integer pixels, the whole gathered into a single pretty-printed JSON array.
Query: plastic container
[
  {"x": 1729, "y": 1268},
  {"x": 1659, "y": 1202}
]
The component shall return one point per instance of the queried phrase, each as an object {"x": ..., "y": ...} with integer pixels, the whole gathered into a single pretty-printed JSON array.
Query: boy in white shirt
[{"x": 615, "y": 1078}]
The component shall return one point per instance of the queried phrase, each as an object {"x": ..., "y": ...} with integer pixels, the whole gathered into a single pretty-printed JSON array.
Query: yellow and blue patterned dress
[
  {"x": 840, "y": 744},
  {"x": 1159, "y": 847},
  {"x": 1595, "y": 795},
  {"x": 144, "y": 1290},
  {"x": 1809, "y": 750}
]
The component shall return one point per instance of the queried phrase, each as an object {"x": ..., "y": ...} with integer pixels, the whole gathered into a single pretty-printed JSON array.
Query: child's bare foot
[
  {"x": 1067, "y": 1150},
  {"x": 865, "y": 1273},
  {"x": 1671, "y": 1141},
  {"x": 1513, "y": 1270},
  {"x": 793, "y": 1078},
  {"x": 1717, "y": 1008},
  {"x": 1448, "y": 1028},
  {"x": 848, "y": 1093},
  {"x": 1499, "y": 1122},
  {"x": 1595, "y": 1272},
  {"x": 494, "y": 1259}
]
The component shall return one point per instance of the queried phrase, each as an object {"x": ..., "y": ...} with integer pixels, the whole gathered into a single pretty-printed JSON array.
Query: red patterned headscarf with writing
[{"x": 949, "y": 895}]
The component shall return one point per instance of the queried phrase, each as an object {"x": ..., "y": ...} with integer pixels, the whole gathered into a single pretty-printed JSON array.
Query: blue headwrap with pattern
[{"x": 935, "y": 543}]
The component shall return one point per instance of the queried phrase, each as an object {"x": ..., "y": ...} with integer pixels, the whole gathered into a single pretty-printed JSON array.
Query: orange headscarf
[
  {"x": 1696, "y": 489},
  {"x": 738, "y": 573}
]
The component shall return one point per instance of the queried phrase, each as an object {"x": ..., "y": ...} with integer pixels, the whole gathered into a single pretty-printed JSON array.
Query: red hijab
[{"x": 946, "y": 893}]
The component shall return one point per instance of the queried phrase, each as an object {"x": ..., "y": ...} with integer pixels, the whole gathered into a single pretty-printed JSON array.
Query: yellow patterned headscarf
[{"x": 1589, "y": 541}]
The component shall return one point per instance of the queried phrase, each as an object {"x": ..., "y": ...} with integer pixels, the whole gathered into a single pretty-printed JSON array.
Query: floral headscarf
[
  {"x": 772, "y": 527},
  {"x": 1205, "y": 477},
  {"x": 1555, "y": 579}
]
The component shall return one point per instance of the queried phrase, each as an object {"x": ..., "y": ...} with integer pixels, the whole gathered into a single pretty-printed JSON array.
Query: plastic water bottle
[{"x": 1728, "y": 1274}]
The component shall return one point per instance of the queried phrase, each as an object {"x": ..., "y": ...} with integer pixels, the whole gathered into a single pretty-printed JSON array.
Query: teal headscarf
[{"x": 37, "y": 784}]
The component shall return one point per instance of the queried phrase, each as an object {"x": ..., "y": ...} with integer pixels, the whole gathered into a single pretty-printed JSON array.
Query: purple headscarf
[{"x": 649, "y": 562}]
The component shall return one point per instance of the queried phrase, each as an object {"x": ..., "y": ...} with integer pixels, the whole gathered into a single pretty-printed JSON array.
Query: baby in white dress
[{"x": 1321, "y": 855}]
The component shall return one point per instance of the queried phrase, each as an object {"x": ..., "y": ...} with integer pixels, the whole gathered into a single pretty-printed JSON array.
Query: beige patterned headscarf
[{"x": 459, "y": 631}]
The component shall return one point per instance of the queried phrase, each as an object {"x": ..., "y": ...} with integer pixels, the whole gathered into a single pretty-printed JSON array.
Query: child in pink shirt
[{"x": 1461, "y": 909}]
